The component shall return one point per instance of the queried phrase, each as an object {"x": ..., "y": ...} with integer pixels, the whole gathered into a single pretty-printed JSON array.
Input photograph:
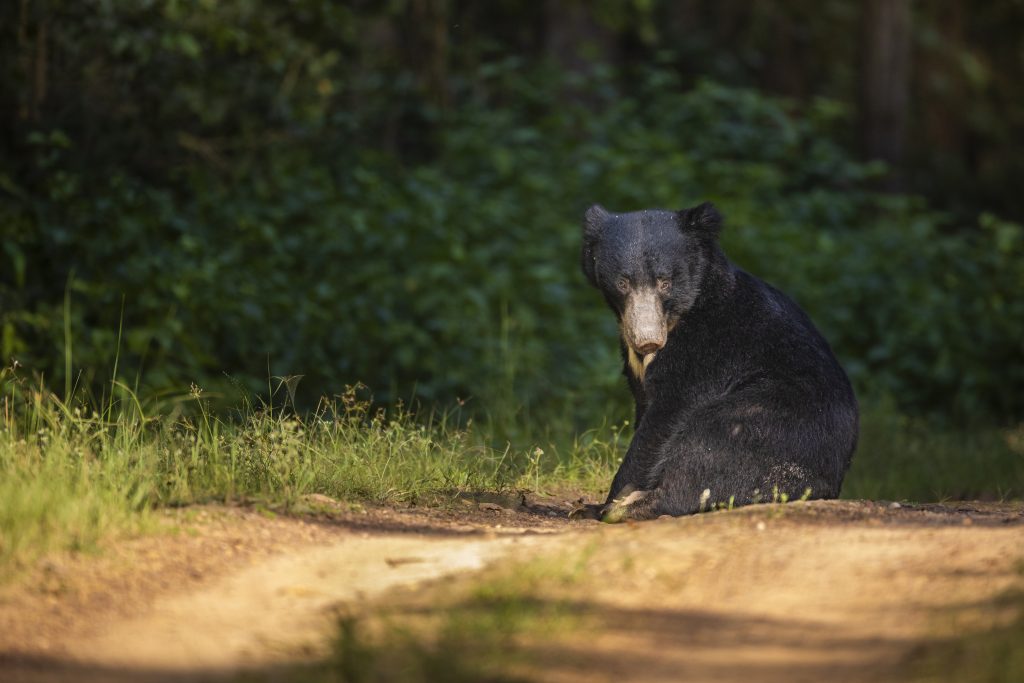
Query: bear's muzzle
[{"x": 644, "y": 327}]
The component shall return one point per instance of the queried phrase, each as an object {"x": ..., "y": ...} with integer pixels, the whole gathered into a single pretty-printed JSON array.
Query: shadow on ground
[{"x": 624, "y": 644}]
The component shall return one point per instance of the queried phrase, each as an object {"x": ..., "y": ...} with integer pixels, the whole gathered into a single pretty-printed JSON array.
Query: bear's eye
[
  {"x": 664, "y": 285},
  {"x": 622, "y": 284}
]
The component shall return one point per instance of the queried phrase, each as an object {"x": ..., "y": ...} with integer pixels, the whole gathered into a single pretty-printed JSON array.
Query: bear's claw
[
  {"x": 583, "y": 510},
  {"x": 619, "y": 509}
]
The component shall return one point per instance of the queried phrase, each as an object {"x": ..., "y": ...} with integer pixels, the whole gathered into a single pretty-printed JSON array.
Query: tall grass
[
  {"x": 74, "y": 472},
  {"x": 68, "y": 479},
  {"x": 69, "y": 475},
  {"x": 905, "y": 458}
]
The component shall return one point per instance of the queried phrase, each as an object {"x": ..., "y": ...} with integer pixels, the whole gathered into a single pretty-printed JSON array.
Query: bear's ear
[
  {"x": 593, "y": 222},
  {"x": 703, "y": 220},
  {"x": 593, "y": 225}
]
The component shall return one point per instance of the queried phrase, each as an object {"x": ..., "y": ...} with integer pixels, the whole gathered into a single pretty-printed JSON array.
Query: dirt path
[
  {"x": 831, "y": 592},
  {"x": 843, "y": 590}
]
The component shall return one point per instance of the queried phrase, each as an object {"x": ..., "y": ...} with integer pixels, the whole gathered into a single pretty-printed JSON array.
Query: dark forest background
[{"x": 224, "y": 193}]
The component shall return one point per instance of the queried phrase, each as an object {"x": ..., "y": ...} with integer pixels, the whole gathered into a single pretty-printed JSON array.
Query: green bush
[{"x": 227, "y": 228}]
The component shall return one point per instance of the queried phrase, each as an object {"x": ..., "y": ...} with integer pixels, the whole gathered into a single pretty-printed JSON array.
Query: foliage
[
  {"x": 917, "y": 311},
  {"x": 225, "y": 192},
  {"x": 905, "y": 458},
  {"x": 71, "y": 477}
]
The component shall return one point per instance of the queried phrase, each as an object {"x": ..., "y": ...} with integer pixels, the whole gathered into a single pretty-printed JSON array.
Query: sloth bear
[{"x": 739, "y": 398}]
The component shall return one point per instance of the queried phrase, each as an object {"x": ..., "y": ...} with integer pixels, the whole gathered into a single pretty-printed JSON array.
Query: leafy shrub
[{"x": 283, "y": 234}]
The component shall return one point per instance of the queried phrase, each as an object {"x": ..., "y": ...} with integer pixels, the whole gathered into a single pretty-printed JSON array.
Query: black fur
[{"x": 745, "y": 401}]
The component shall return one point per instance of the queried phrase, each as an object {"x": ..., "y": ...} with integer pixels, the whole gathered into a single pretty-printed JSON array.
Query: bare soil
[{"x": 843, "y": 590}]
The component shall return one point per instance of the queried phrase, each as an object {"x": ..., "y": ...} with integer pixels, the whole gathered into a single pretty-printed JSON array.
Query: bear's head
[{"x": 651, "y": 267}]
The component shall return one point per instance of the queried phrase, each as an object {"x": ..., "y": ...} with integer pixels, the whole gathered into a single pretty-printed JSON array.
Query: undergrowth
[
  {"x": 70, "y": 476},
  {"x": 904, "y": 458},
  {"x": 73, "y": 473}
]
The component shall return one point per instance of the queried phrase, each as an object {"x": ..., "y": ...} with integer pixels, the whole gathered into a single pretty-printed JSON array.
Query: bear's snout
[
  {"x": 649, "y": 348},
  {"x": 644, "y": 327}
]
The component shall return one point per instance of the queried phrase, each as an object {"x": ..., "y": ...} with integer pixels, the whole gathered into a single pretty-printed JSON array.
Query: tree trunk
[
  {"x": 885, "y": 82},
  {"x": 574, "y": 39},
  {"x": 429, "y": 53}
]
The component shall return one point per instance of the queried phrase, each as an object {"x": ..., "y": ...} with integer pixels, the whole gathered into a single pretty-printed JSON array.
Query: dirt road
[{"x": 843, "y": 591}]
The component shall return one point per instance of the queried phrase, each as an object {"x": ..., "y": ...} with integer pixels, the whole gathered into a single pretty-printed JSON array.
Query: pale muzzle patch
[
  {"x": 637, "y": 364},
  {"x": 644, "y": 329}
]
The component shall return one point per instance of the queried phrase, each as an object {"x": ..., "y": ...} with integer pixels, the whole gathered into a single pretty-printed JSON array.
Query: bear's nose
[{"x": 649, "y": 348}]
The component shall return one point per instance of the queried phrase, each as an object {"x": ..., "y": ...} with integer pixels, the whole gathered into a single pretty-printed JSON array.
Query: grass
[
  {"x": 73, "y": 474},
  {"x": 902, "y": 458}
]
